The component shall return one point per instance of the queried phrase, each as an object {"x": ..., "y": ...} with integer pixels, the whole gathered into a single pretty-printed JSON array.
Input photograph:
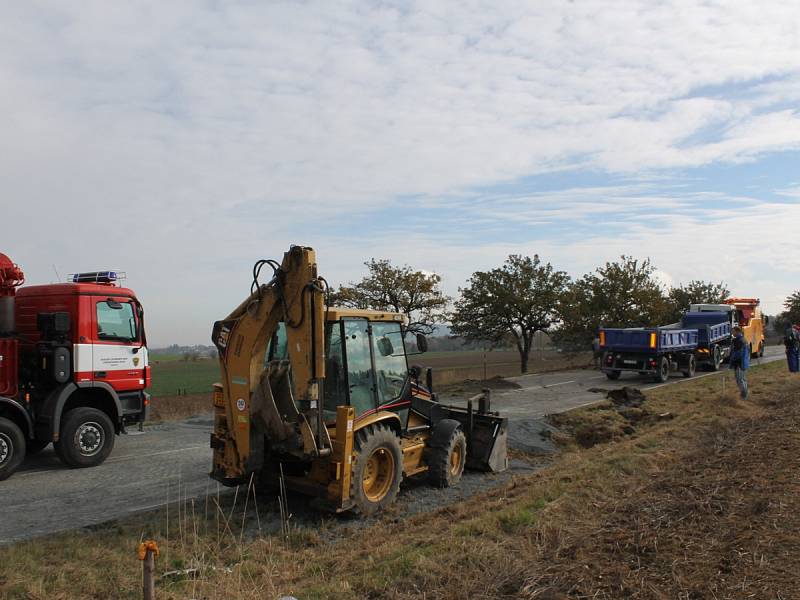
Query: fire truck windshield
[{"x": 115, "y": 321}]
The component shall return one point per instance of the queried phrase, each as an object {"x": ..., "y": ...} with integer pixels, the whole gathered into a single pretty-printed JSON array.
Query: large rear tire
[
  {"x": 690, "y": 367},
  {"x": 662, "y": 375},
  {"x": 446, "y": 464},
  {"x": 12, "y": 448},
  {"x": 716, "y": 358},
  {"x": 377, "y": 469},
  {"x": 86, "y": 438}
]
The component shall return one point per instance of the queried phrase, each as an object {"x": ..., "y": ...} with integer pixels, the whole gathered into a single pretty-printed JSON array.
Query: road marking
[{"x": 560, "y": 383}]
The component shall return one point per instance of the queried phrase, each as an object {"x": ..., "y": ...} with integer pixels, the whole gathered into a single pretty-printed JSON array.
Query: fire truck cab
[{"x": 73, "y": 367}]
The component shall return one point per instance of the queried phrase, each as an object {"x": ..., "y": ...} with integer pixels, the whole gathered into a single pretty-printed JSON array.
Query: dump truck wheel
[
  {"x": 662, "y": 375},
  {"x": 446, "y": 464},
  {"x": 377, "y": 469},
  {"x": 690, "y": 368},
  {"x": 35, "y": 446},
  {"x": 716, "y": 359},
  {"x": 613, "y": 375},
  {"x": 86, "y": 438},
  {"x": 12, "y": 448}
]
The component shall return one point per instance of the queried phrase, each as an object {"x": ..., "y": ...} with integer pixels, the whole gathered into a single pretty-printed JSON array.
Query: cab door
[{"x": 118, "y": 355}]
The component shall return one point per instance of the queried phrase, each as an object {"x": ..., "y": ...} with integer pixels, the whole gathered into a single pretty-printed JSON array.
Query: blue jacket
[{"x": 741, "y": 357}]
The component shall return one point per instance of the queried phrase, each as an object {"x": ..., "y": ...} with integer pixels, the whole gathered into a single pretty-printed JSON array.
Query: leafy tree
[
  {"x": 620, "y": 294},
  {"x": 696, "y": 292},
  {"x": 398, "y": 289},
  {"x": 792, "y": 313},
  {"x": 513, "y": 301}
]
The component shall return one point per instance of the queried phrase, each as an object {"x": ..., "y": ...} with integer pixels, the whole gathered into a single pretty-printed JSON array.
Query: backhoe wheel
[
  {"x": 377, "y": 469},
  {"x": 446, "y": 464},
  {"x": 690, "y": 369},
  {"x": 86, "y": 438},
  {"x": 12, "y": 448}
]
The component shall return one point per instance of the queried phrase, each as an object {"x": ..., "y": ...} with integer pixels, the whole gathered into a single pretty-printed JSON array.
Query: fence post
[{"x": 147, "y": 553}]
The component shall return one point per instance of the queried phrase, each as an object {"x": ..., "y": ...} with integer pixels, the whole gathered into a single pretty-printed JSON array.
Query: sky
[{"x": 181, "y": 141}]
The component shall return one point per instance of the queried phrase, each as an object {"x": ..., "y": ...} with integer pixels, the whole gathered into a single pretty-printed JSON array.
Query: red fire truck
[{"x": 73, "y": 366}]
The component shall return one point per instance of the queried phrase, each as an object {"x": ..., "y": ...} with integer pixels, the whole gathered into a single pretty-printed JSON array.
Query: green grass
[{"x": 195, "y": 377}]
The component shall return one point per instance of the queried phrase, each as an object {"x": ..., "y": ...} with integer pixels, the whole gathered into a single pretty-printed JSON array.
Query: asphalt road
[{"x": 148, "y": 470}]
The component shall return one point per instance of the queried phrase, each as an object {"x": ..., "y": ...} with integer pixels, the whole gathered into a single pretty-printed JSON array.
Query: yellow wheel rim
[
  {"x": 378, "y": 474},
  {"x": 455, "y": 460}
]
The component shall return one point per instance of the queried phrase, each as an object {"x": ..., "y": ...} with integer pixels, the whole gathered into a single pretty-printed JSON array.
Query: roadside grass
[{"x": 705, "y": 503}]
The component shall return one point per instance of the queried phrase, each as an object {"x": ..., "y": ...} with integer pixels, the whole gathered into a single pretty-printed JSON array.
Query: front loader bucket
[{"x": 487, "y": 443}]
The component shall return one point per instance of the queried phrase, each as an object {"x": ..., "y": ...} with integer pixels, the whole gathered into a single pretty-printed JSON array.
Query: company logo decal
[
  {"x": 240, "y": 404},
  {"x": 135, "y": 361}
]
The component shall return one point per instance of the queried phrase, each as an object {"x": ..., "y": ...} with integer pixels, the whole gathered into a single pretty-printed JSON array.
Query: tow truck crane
[{"x": 323, "y": 397}]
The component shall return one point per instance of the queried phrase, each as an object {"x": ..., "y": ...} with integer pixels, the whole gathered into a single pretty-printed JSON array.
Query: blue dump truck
[{"x": 699, "y": 339}]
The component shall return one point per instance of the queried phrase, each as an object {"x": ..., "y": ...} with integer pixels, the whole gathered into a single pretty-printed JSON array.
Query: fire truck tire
[
  {"x": 377, "y": 469},
  {"x": 446, "y": 464},
  {"x": 12, "y": 448},
  {"x": 36, "y": 446},
  {"x": 86, "y": 439},
  {"x": 613, "y": 375}
]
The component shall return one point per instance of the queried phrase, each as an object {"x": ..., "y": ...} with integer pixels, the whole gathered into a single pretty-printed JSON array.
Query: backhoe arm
[{"x": 277, "y": 402}]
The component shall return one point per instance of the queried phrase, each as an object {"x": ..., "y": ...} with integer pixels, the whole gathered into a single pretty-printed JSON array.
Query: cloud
[{"x": 182, "y": 140}]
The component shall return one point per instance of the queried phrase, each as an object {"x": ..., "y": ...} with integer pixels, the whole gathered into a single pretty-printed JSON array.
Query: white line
[{"x": 560, "y": 383}]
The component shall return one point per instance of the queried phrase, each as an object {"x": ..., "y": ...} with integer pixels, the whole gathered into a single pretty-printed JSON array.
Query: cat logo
[{"x": 135, "y": 361}]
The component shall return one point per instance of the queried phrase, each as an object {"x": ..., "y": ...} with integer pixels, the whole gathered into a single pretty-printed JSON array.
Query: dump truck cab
[{"x": 323, "y": 399}]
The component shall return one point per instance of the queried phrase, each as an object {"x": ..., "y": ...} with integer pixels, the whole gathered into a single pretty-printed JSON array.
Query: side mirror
[
  {"x": 422, "y": 343},
  {"x": 385, "y": 346}
]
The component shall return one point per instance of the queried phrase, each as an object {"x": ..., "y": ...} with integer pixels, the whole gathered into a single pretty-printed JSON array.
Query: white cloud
[{"x": 191, "y": 138}]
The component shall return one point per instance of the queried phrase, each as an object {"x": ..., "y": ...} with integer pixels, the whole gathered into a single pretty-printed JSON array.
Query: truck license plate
[{"x": 629, "y": 362}]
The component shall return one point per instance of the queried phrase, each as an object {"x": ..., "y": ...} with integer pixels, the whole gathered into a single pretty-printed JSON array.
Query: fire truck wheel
[
  {"x": 36, "y": 446},
  {"x": 12, "y": 448},
  {"x": 446, "y": 464},
  {"x": 86, "y": 439},
  {"x": 377, "y": 469}
]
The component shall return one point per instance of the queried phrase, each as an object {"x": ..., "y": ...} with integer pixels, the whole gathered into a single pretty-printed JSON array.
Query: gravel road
[{"x": 146, "y": 470}]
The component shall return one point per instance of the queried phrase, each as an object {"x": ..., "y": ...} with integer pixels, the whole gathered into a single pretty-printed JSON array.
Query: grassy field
[
  {"x": 695, "y": 494},
  {"x": 173, "y": 376}
]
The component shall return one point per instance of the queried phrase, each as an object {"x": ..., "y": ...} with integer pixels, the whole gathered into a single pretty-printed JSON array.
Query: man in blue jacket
[
  {"x": 740, "y": 361},
  {"x": 791, "y": 339}
]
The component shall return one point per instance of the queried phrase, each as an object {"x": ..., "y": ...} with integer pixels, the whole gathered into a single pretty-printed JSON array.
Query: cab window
[
  {"x": 116, "y": 321},
  {"x": 335, "y": 389},
  {"x": 359, "y": 365},
  {"x": 391, "y": 368},
  {"x": 278, "y": 345}
]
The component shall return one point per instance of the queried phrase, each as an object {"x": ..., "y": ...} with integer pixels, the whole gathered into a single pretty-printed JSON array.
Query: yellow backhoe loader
[{"x": 324, "y": 398}]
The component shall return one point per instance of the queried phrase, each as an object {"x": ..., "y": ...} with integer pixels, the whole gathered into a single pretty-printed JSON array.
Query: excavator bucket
[{"x": 486, "y": 431}]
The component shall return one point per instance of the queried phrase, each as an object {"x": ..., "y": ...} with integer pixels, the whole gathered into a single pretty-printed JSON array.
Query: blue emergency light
[{"x": 96, "y": 277}]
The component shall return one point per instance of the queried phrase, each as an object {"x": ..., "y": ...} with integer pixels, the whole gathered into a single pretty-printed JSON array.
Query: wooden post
[{"x": 147, "y": 553}]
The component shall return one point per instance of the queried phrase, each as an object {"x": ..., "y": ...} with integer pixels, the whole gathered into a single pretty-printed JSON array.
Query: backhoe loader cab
[{"x": 325, "y": 398}]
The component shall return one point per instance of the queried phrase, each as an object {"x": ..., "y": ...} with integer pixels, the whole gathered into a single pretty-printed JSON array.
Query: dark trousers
[{"x": 793, "y": 359}]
